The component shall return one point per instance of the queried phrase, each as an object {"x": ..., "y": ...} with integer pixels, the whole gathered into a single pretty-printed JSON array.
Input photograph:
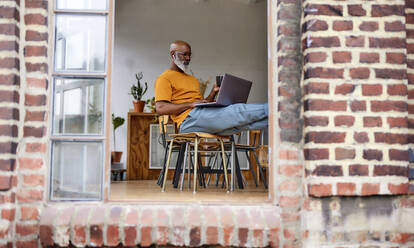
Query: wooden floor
[{"x": 148, "y": 190}]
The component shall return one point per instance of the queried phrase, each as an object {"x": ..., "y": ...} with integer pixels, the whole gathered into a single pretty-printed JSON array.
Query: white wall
[{"x": 227, "y": 36}]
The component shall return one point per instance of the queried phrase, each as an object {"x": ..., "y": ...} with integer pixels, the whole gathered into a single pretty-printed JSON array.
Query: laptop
[{"x": 232, "y": 90}]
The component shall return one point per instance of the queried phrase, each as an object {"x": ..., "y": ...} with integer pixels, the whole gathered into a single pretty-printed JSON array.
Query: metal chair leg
[
  {"x": 195, "y": 165},
  {"x": 224, "y": 163},
  {"x": 168, "y": 165},
  {"x": 184, "y": 165}
]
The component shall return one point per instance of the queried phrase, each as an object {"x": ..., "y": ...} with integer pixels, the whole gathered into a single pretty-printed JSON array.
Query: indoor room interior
[{"x": 227, "y": 36}]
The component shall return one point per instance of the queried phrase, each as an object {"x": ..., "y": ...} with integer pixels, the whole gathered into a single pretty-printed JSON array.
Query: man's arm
[
  {"x": 167, "y": 108},
  {"x": 213, "y": 93}
]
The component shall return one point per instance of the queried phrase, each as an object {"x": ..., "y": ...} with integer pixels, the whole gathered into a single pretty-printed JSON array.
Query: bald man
[{"x": 177, "y": 93}]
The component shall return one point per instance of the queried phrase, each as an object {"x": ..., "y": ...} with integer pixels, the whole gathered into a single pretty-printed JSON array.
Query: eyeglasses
[{"x": 184, "y": 54}]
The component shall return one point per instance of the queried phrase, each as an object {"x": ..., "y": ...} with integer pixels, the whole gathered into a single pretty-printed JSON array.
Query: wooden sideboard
[{"x": 138, "y": 146}]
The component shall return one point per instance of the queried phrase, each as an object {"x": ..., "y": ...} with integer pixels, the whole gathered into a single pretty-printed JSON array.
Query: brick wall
[
  {"x": 355, "y": 99},
  {"x": 409, "y": 10},
  {"x": 23, "y": 118}
]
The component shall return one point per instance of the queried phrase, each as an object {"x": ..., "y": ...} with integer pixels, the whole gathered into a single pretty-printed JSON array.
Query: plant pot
[
  {"x": 139, "y": 106},
  {"x": 116, "y": 157}
]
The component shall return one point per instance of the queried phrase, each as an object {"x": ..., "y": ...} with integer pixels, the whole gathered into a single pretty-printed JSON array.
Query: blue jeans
[{"x": 226, "y": 120}]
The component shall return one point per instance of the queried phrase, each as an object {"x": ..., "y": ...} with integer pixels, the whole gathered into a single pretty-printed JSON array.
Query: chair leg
[
  {"x": 184, "y": 165},
  {"x": 168, "y": 165},
  {"x": 224, "y": 163},
  {"x": 195, "y": 164},
  {"x": 251, "y": 169},
  {"x": 260, "y": 169}
]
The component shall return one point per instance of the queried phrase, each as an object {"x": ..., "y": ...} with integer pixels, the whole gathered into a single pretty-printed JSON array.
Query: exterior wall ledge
[{"x": 108, "y": 224}]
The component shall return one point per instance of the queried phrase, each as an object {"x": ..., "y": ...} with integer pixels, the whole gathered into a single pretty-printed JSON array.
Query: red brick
[
  {"x": 30, "y": 51},
  {"x": 386, "y": 42},
  {"x": 146, "y": 227},
  {"x": 36, "y": 4},
  {"x": 37, "y": 67},
  {"x": 287, "y": 29},
  {"x": 397, "y": 122},
  {"x": 8, "y": 214},
  {"x": 289, "y": 201},
  {"x": 33, "y": 180},
  {"x": 288, "y": 185},
  {"x": 341, "y": 57},
  {"x": 328, "y": 171},
  {"x": 325, "y": 105},
  {"x": 29, "y": 213},
  {"x": 317, "y": 88},
  {"x": 359, "y": 73},
  {"x": 5, "y": 182},
  {"x": 316, "y": 154},
  {"x": 9, "y": 46},
  {"x": 390, "y": 170},
  {"x": 9, "y": 29},
  {"x": 211, "y": 225},
  {"x": 390, "y": 138},
  {"x": 372, "y": 154},
  {"x": 27, "y": 229},
  {"x": 370, "y": 189},
  {"x": 320, "y": 190},
  {"x": 361, "y": 137},
  {"x": 358, "y": 106},
  {"x": 29, "y": 195},
  {"x": 35, "y": 19},
  {"x": 7, "y": 164},
  {"x": 37, "y": 83},
  {"x": 35, "y": 100},
  {"x": 398, "y": 155},
  {"x": 358, "y": 170},
  {"x": 342, "y": 25},
  {"x": 397, "y": 90},
  {"x": 356, "y": 10},
  {"x": 325, "y": 137},
  {"x": 343, "y": 153},
  {"x": 37, "y": 132},
  {"x": 368, "y": 26},
  {"x": 8, "y": 130},
  {"x": 395, "y": 26},
  {"x": 323, "y": 72},
  {"x": 9, "y": 113},
  {"x": 9, "y": 80},
  {"x": 288, "y": 155},
  {"x": 326, "y": 42},
  {"x": 79, "y": 226},
  {"x": 345, "y": 188},
  {"x": 380, "y": 10},
  {"x": 398, "y": 188},
  {"x": 315, "y": 57},
  {"x": 355, "y": 41},
  {"x": 316, "y": 121},
  {"x": 314, "y": 26},
  {"x": 369, "y": 58},
  {"x": 391, "y": 74},
  {"x": 35, "y": 116},
  {"x": 27, "y": 244},
  {"x": 8, "y": 147},
  {"x": 395, "y": 58},
  {"x": 372, "y": 121},
  {"x": 385, "y": 106},
  {"x": 344, "y": 89},
  {"x": 291, "y": 170},
  {"x": 243, "y": 225},
  {"x": 30, "y": 163},
  {"x": 9, "y": 13},
  {"x": 371, "y": 89},
  {"x": 9, "y": 63},
  {"x": 325, "y": 9},
  {"x": 227, "y": 224},
  {"x": 35, "y": 36},
  {"x": 344, "y": 120}
]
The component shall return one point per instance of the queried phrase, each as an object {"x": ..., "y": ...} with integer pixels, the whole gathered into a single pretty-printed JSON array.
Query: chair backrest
[{"x": 163, "y": 121}]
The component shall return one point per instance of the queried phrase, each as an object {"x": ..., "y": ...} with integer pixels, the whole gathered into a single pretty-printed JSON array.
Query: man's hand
[
  {"x": 197, "y": 102},
  {"x": 213, "y": 93}
]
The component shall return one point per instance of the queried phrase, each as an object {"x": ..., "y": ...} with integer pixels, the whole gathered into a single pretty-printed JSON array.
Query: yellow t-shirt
[{"x": 177, "y": 87}]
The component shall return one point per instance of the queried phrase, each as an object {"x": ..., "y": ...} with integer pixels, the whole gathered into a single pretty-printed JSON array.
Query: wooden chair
[{"x": 196, "y": 139}]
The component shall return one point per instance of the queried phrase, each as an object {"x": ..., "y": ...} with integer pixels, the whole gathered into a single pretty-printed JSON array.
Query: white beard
[{"x": 180, "y": 64}]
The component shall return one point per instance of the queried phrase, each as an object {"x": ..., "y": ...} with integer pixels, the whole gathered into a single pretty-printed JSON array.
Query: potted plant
[
  {"x": 116, "y": 122},
  {"x": 151, "y": 104},
  {"x": 137, "y": 91}
]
